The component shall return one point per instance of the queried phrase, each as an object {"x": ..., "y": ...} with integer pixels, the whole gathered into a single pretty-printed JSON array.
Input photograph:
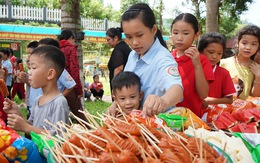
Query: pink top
[{"x": 97, "y": 86}]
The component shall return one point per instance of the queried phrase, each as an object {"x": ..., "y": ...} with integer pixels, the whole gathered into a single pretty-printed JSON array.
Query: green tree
[
  {"x": 198, "y": 10},
  {"x": 95, "y": 9},
  {"x": 228, "y": 17}
]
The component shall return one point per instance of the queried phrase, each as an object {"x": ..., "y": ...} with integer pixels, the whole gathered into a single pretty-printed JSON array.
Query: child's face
[
  {"x": 214, "y": 52},
  {"x": 183, "y": 35},
  {"x": 4, "y": 56},
  {"x": 138, "y": 36},
  {"x": 128, "y": 98},
  {"x": 38, "y": 72},
  {"x": 248, "y": 46}
]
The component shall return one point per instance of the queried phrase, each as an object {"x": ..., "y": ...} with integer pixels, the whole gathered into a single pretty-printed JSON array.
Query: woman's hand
[{"x": 153, "y": 105}]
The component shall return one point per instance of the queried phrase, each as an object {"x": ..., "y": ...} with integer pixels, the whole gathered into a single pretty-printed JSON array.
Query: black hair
[
  {"x": 249, "y": 30},
  {"x": 53, "y": 56},
  {"x": 5, "y": 51},
  {"x": 18, "y": 60},
  {"x": 146, "y": 15},
  {"x": 33, "y": 44},
  {"x": 125, "y": 79},
  {"x": 49, "y": 41},
  {"x": 113, "y": 32},
  {"x": 188, "y": 18},
  {"x": 211, "y": 37},
  {"x": 66, "y": 34},
  {"x": 11, "y": 51}
]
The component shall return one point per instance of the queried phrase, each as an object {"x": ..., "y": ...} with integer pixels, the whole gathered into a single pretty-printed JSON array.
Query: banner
[
  {"x": 14, "y": 45},
  {"x": 96, "y": 39},
  {"x": 24, "y": 36}
]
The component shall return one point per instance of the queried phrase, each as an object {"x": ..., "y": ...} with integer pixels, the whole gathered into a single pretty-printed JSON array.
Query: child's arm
[
  {"x": 154, "y": 104},
  {"x": 67, "y": 91},
  {"x": 16, "y": 120},
  {"x": 23, "y": 77},
  {"x": 211, "y": 100},
  {"x": 201, "y": 83},
  {"x": 18, "y": 123},
  {"x": 255, "y": 68},
  {"x": 10, "y": 107}
]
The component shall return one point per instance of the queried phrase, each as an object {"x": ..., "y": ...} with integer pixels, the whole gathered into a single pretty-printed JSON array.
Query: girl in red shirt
[
  {"x": 18, "y": 85},
  {"x": 194, "y": 68},
  {"x": 221, "y": 90}
]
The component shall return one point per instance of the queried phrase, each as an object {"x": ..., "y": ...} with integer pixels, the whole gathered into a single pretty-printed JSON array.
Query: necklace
[{"x": 245, "y": 63}]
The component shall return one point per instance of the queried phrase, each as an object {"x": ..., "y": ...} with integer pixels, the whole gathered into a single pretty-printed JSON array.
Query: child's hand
[
  {"x": 204, "y": 104},
  {"x": 153, "y": 105},
  {"x": 10, "y": 107},
  {"x": 112, "y": 110},
  {"x": 255, "y": 68},
  {"x": 22, "y": 76},
  {"x": 194, "y": 55},
  {"x": 16, "y": 122}
]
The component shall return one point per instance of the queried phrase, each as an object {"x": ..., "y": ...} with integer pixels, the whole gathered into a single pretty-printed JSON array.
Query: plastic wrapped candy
[
  {"x": 7, "y": 136},
  {"x": 23, "y": 150}
]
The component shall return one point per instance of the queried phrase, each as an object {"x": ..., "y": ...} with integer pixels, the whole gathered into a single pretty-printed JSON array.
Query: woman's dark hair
[
  {"x": 249, "y": 30},
  {"x": 125, "y": 79},
  {"x": 65, "y": 35},
  {"x": 188, "y": 18},
  {"x": 145, "y": 14},
  {"x": 211, "y": 37},
  {"x": 113, "y": 32},
  {"x": 95, "y": 76}
]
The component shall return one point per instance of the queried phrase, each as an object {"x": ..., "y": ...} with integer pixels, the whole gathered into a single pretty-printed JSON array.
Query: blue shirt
[
  {"x": 9, "y": 67},
  {"x": 65, "y": 81},
  {"x": 34, "y": 94},
  {"x": 157, "y": 70}
]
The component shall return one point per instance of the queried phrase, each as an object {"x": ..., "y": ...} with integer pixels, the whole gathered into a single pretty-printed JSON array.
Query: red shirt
[
  {"x": 223, "y": 85},
  {"x": 186, "y": 69},
  {"x": 72, "y": 64}
]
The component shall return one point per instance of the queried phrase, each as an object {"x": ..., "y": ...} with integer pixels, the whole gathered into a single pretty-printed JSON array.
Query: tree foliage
[
  {"x": 229, "y": 14},
  {"x": 95, "y": 9}
]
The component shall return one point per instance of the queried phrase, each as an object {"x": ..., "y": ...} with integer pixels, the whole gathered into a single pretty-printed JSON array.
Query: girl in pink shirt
[{"x": 96, "y": 88}]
